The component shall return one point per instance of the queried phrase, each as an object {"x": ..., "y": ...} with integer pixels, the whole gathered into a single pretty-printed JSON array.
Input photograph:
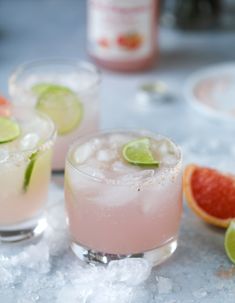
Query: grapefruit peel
[{"x": 219, "y": 222}]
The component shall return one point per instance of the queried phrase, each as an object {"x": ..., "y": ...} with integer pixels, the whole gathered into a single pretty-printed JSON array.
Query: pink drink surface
[{"x": 123, "y": 209}]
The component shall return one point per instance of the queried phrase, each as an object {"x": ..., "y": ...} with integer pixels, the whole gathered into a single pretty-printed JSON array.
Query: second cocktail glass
[
  {"x": 67, "y": 90},
  {"x": 26, "y": 141}
]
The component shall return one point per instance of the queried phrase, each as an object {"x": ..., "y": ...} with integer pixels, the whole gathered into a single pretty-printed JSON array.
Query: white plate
[{"x": 212, "y": 90}]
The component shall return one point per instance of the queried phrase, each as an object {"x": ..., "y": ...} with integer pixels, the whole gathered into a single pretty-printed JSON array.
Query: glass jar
[{"x": 122, "y": 34}]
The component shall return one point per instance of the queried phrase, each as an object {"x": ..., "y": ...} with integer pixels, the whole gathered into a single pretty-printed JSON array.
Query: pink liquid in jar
[{"x": 122, "y": 34}]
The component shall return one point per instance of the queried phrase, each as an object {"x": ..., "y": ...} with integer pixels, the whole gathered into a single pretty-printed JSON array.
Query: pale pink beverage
[
  {"x": 117, "y": 209},
  {"x": 25, "y": 169},
  {"x": 66, "y": 90}
]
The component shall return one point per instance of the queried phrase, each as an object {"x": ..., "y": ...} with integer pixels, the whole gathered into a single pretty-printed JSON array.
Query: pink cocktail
[
  {"x": 117, "y": 209},
  {"x": 25, "y": 169},
  {"x": 64, "y": 89}
]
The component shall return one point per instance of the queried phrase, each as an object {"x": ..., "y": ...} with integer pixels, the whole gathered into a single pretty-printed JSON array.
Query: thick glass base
[
  {"x": 22, "y": 231},
  {"x": 155, "y": 256}
]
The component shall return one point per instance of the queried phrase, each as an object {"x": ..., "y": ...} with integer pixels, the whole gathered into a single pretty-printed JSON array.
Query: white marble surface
[{"x": 30, "y": 29}]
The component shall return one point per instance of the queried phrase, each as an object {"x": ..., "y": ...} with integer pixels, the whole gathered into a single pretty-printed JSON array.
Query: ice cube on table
[
  {"x": 111, "y": 293},
  {"x": 164, "y": 285},
  {"x": 34, "y": 257},
  {"x": 56, "y": 234},
  {"x": 75, "y": 294},
  {"x": 200, "y": 293},
  {"x": 33, "y": 299},
  {"x": 7, "y": 277},
  {"x": 29, "y": 141},
  {"x": 132, "y": 271}
]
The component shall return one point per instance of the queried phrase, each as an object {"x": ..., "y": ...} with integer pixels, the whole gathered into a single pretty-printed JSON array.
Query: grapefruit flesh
[
  {"x": 210, "y": 194},
  {"x": 4, "y": 107}
]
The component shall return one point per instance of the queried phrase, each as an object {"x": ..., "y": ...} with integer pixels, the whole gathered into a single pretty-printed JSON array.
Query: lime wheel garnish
[
  {"x": 61, "y": 104},
  {"x": 9, "y": 130}
]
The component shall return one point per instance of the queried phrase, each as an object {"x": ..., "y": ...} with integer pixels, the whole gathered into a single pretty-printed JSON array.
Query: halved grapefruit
[{"x": 210, "y": 194}]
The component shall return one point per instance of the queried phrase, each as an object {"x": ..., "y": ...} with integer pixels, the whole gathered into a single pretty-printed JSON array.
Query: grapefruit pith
[{"x": 210, "y": 194}]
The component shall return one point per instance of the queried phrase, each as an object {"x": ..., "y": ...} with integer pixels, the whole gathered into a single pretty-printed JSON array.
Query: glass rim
[
  {"x": 83, "y": 139},
  {"x": 51, "y": 137},
  {"x": 74, "y": 62}
]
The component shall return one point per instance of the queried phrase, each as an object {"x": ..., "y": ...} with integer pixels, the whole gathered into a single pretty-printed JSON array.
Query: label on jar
[{"x": 121, "y": 29}]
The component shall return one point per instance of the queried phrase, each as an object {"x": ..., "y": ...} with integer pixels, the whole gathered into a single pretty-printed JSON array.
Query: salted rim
[
  {"x": 86, "y": 138},
  {"x": 50, "y": 138},
  {"x": 75, "y": 63}
]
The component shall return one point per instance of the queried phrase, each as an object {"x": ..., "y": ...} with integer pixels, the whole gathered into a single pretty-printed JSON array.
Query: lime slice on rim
[
  {"x": 61, "y": 104},
  {"x": 9, "y": 130},
  {"x": 138, "y": 152},
  {"x": 229, "y": 242}
]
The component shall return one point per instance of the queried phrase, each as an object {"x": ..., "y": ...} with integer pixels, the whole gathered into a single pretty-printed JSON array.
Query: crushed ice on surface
[
  {"x": 47, "y": 271},
  {"x": 164, "y": 285},
  {"x": 49, "y": 266},
  {"x": 130, "y": 271},
  {"x": 200, "y": 293}
]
